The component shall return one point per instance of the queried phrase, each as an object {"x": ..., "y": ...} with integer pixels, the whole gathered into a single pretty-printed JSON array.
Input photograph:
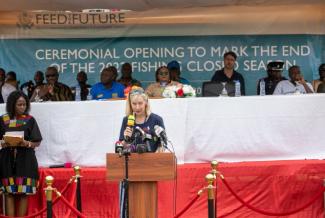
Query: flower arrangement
[{"x": 182, "y": 91}]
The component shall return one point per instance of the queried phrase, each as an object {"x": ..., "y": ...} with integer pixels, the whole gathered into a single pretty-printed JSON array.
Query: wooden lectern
[{"x": 144, "y": 172}]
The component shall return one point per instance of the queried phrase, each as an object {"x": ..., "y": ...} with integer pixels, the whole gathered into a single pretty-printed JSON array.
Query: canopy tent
[
  {"x": 137, "y": 5},
  {"x": 216, "y": 20}
]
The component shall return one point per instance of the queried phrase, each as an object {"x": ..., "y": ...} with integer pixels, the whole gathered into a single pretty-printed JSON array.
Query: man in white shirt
[
  {"x": 9, "y": 86},
  {"x": 296, "y": 85}
]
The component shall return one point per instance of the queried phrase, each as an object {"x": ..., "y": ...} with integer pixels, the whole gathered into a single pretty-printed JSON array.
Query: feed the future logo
[{"x": 25, "y": 20}]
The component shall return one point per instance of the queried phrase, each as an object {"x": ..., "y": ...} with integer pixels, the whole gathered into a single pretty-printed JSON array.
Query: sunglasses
[
  {"x": 163, "y": 73},
  {"x": 136, "y": 92},
  {"x": 50, "y": 75}
]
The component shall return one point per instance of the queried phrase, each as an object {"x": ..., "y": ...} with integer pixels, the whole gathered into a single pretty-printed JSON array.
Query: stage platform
[{"x": 274, "y": 186}]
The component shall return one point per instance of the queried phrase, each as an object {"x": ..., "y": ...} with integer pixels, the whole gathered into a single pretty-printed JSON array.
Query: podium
[{"x": 145, "y": 170}]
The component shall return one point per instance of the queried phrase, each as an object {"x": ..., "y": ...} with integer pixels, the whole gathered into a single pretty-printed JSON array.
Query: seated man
[
  {"x": 2, "y": 76},
  {"x": 9, "y": 86},
  {"x": 296, "y": 84},
  {"x": 126, "y": 78},
  {"x": 84, "y": 87},
  {"x": 107, "y": 88},
  {"x": 228, "y": 73},
  {"x": 317, "y": 82},
  {"x": 175, "y": 73},
  {"x": 52, "y": 90},
  {"x": 321, "y": 88},
  {"x": 29, "y": 86},
  {"x": 274, "y": 70}
]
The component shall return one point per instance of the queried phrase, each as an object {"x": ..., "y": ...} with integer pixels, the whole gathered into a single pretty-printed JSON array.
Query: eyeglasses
[
  {"x": 163, "y": 73},
  {"x": 50, "y": 75}
]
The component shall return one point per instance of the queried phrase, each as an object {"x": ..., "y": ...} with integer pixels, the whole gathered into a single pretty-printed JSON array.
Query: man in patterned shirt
[{"x": 53, "y": 90}]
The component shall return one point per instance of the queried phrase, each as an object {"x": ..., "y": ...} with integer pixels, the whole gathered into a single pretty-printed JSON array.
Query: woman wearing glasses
[
  {"x": 162, "y": 81},
  {"x": 143, "y": 123}
]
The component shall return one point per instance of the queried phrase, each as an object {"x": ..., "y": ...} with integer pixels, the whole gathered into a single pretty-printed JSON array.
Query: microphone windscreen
[{"x": 131, "y": 120}]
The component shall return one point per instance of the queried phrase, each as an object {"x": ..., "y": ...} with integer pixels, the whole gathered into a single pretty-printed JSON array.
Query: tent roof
[{"x": 137, "y": 5}]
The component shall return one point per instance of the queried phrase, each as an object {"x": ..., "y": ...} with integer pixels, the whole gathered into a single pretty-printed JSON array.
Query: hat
[
  {"x": 275, "y": 65},
  {"x": 173, "y": 64}
]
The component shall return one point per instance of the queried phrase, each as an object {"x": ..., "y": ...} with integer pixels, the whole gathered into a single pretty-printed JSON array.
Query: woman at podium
[
  {"x": 139, "y": 125},
  {"x": 18, "y": 164}
]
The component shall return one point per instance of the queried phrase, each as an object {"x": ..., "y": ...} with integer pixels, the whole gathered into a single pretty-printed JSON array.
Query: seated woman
[
  {"x": 162, "y": 81},
  {"x": 18, "y": 164},
  {"x": 321, "y": 71},
  {"x": 138, "y": 111}
]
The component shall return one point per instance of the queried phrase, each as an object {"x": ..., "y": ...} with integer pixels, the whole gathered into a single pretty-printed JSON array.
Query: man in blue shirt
[
  {"x": 175, "y": 73},
  {"x": 108, "y": 87}
]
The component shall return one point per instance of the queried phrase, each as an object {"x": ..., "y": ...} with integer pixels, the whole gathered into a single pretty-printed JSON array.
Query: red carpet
[{"x": 274, "y": 186}]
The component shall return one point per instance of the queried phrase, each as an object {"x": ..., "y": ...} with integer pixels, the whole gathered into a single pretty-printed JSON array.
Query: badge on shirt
[
  {"x": 100, "y": 95},
  {"x": 114, "y": 95}
]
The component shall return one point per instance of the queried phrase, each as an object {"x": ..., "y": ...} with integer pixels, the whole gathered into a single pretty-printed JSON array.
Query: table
[{"x": 250, "y": 128}]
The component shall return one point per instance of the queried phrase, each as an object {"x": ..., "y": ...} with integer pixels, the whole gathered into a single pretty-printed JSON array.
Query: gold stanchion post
[
  {"x": 77, "y": 171},
  {"x": 215, "y": 172},
  {"x": 214, "y": 166},
  {"x": 49, "y": 195},
  {"x": 211, "y": 210}
]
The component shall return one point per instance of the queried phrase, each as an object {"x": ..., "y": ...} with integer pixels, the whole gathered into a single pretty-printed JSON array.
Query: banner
[{"x": 200, "y": 56}]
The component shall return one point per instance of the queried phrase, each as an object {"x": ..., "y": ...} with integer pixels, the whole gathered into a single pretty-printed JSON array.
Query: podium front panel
[{"x": 142, "y": 167}]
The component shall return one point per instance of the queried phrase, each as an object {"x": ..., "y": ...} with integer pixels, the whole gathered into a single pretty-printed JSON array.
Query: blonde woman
[{"x": 137, "y": 105}]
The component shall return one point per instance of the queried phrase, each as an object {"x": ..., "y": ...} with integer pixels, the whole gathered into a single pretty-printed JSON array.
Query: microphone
[
  {"x": 130, "y": 123},
  {"x": 119, "y": 148},
  {"x": 138, "y": 132},
  {"x": 145, "y": 138},
  {"x": 161, "y": 133},
  {"x": 65, "y": 165}
]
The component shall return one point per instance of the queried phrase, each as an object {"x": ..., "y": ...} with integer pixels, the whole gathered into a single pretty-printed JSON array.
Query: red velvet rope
[
  {"x": 238, "y": 208},
  {"x": 32, "y": 215},
  {"x": 72, "y": 198},
  {"x": 187, "y": 206},
  {"x": 271, "y": 213},
  {"x": 74, "y": 210},
  {"x": 44, "y": 209}
]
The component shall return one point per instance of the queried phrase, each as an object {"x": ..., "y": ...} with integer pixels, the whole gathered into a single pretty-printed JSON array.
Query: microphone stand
[
  {"x": 165, "y": 146},
  {"x": 126, "y": 183},
  {"x": 126, "y": 153},
  {"x": 125, "y": 210}
]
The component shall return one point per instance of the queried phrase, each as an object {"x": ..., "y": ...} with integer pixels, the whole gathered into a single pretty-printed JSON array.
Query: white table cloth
[{"x": 248, "y": 128}]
